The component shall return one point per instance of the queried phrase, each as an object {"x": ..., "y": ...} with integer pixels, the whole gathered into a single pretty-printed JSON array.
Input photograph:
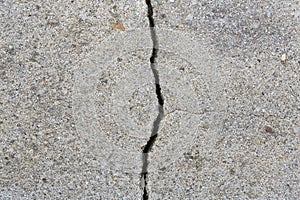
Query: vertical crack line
[{"x": 154, "y": 132}]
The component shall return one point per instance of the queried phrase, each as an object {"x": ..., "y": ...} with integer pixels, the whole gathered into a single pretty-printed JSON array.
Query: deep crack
[{"x": 160, "y": 99}]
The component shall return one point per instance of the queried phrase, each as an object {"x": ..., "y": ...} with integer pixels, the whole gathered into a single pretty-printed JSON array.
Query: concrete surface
[{"x": 78, "y": 102}]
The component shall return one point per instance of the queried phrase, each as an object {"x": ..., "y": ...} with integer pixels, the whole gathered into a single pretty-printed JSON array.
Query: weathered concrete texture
[
  {"x": 254, "y": 151},
  {"x": 77, "y": 99},
  {"x": 191, "y": 93},
  {"x": 114, "y": 100},
  {"x": 42, "y": 43}
]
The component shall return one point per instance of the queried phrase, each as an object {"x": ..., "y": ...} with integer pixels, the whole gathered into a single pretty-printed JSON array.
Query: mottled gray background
[{"x": 245, "y": 128}]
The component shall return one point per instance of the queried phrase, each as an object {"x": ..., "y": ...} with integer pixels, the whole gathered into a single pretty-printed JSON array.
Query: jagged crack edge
[{"x": 160, "y": 115}]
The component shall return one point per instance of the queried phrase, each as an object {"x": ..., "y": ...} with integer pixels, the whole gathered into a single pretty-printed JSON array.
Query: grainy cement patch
[
  {"x": 41, "y": 44},
  {"x": 257, "y": 55}
]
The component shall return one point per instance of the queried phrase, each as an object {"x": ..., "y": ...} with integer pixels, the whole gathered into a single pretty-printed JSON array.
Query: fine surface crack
[{"x": 160, "y": 99}]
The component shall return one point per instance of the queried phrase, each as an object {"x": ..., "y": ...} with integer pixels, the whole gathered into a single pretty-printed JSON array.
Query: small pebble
[
  {"x": 119, "y": 26},
  {"x": 283, "y": 57},
  {"x": 269, "y": 129},
  {"x": 71, "y": 186},
  {"x": 56, "y": 103}
]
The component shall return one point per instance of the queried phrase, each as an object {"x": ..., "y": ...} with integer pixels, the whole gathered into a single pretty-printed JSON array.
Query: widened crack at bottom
[{"x": 147, "y": 149}]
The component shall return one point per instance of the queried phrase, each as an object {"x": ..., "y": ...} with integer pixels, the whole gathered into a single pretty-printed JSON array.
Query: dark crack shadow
[{"x": 154, "y": 133}]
